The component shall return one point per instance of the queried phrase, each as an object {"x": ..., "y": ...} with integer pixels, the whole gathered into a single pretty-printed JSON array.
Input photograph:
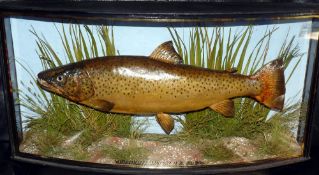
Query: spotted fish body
[
  {"x": 159, "y": 84},
  {"x": 139, "y": 85}
]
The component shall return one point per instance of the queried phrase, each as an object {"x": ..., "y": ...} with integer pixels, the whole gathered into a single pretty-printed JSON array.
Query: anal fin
[
  {"x": 166, "y": 122},
  {"x": 225, "y": 107},
  {"x": 101, "y": 105}
]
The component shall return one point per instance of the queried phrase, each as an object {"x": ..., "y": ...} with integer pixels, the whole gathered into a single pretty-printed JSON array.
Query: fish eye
[{"x": 59, "y": 78}]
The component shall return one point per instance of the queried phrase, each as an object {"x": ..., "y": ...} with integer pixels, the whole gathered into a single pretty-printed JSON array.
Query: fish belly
[{"x": 146, "y": 97}]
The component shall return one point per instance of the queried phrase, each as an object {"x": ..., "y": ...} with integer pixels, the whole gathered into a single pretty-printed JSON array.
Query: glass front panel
[{"x": 167, "y": 95}]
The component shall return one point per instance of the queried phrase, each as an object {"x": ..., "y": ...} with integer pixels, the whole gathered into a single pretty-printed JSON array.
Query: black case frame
[{"x": 93, "y": 11}]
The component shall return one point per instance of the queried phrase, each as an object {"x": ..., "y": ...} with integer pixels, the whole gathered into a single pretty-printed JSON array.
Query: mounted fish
[{"x": 160, "y": 84}]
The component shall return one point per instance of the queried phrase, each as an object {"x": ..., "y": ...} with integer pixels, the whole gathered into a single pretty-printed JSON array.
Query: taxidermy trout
[{"x": 160, "y": 84}]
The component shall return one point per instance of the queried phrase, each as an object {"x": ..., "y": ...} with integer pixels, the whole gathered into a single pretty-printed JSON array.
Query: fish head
[{"x": 71, "y": 83}]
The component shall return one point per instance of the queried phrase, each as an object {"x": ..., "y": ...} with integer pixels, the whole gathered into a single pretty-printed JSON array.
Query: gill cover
[{"x": 73, "y": 84}]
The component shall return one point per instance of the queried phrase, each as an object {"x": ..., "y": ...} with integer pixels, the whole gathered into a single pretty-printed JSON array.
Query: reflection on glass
[{"x": 57, "y": 127}]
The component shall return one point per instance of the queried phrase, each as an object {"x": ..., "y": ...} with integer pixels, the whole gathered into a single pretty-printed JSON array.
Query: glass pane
[{"x": 168, "y": 95}]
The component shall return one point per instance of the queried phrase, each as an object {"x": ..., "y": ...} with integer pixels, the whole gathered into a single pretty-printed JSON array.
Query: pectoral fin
[
  {"x": 166, "y": 122},
  {"x": 101, "y": 105},
  {"x": 225, "y": 107},
  {"x": 166, "y": 53}
]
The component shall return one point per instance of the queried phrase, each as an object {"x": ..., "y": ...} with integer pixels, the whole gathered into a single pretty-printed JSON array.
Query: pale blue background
[{"x": 142, "y": 41}]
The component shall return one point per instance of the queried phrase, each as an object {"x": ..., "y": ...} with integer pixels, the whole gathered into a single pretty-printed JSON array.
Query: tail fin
[{"x": 272, "y": 79}]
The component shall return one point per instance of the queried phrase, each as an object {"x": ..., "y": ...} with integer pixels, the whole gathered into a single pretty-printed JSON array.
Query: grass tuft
[
  {"x": 218, "y": 152},
  {"x": 54, "y": 118},
  {"x": 223, "y": 50},
  {"x": 127, "y": 153}
]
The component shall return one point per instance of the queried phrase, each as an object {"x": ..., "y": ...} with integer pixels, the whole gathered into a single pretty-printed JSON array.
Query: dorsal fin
[{"x": 166, "y": 53}]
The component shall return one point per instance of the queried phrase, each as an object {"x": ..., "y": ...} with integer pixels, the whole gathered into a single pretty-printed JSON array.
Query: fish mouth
[
  {"x": 48, "y": 87},
  {"x": 43, "y": 83}
]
